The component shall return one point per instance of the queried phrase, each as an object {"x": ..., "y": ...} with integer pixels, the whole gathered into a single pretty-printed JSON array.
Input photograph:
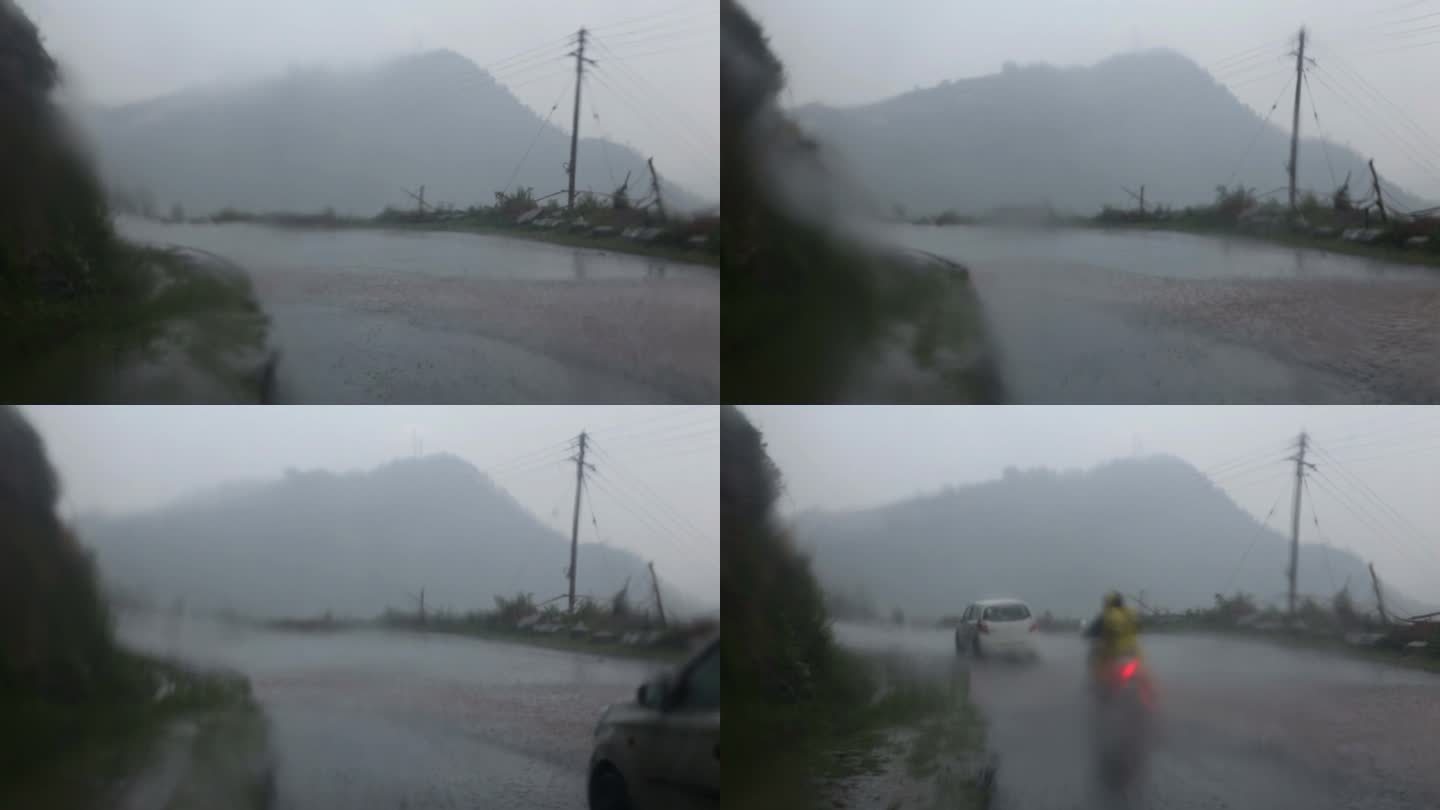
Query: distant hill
[
  {"x": 354, "y": 544},
  {"x": 1061, "y": 539},
  {"x": 1071, "y": 137},
  {"x": 315, "y": 139}
]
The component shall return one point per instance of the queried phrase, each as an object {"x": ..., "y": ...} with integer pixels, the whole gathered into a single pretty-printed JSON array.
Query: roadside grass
[
  {"x": 613, "y": 244},
  {"x": 1427, "y": 660},
  {"x": 56, "y": 753},
  {"x": 64, "y": 347},
  {"x": 558, "y": 641},
  {"x": 805, "y": 309},
  {"x": 668, "y": 653},
  {"x": 928, "y": 725},
  {"x": 487, "y": 226},
  {"x": 1427, "y": 257}
]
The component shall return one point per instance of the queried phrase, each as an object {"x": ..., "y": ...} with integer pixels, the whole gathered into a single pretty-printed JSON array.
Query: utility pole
[
  {"x": 1295, "y": 121},
  {"x": 1379, "y": 200},
  {"x": 575, "y": 520},
  {"x": 1138, "y": 197},
  {"x": 655, "y": 187},
  {"x": 1379, "y": 597},
  {"x": 655, "y": 583},
  {"x": 1300, "y": 465},
  {"x": 580, "y": 60}
]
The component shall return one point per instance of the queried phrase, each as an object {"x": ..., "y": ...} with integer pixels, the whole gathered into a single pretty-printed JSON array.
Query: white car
[{"x": 1002, "y": 627}]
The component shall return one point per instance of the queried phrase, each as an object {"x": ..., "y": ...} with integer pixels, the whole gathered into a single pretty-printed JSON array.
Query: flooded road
[
  {"x": 433, "y": 317},
  {"x": 1241, "y": 724},
  {"x": 372, "y": 720},
  {"x": 1091, "y": 316}
]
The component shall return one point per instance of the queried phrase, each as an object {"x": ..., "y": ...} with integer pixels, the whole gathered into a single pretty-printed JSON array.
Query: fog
[
  {"x": 653, "y": 494},
  {"x": 1371, "y": 493},
  {"x": 655, "y": 89},
  {"x": 1370, "y": 84}
]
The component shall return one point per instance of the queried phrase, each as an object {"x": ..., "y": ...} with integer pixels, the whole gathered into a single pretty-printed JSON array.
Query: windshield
[{"x": 1007, "y": 613}]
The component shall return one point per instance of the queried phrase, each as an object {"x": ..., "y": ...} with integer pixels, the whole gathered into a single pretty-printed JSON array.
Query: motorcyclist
[{"x": 1114, "y": 634}]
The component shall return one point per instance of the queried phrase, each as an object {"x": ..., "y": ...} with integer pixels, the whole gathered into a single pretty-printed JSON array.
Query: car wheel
[
  {"x": 608, "y": 790},
  {"x": 975, "y": 648}
]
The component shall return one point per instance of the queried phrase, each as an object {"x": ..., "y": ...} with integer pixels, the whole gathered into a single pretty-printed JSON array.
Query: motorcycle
[{"x": 1124, "y": 702}]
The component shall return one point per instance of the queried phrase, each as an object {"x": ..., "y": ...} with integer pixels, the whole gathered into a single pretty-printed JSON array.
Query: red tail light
[
  {"x": 1034, "y": 627},
  {"x": 983, "y": 627},
  {"x": 1127, "y": 671}
]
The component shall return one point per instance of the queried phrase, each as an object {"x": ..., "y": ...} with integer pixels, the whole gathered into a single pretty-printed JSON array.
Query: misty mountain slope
[
  {"x": 354, "y": 544},
  {"x": 316, "y": 139},
  {"x": 1061, "y": 539},
  {"x": 1071, "y": 137}
]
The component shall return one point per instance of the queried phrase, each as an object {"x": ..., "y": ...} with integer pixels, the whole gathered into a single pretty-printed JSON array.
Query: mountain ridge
[
  {"x": 1069, "y": 137},
  {"x": 318, "y": 138},
  {"x": 1063, "y": 538},
  {"x": 353, "y": 543}
]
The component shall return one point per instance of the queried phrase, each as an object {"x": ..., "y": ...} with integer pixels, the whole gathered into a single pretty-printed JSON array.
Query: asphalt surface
[
  {"x": 368, "y": 720},
  {"x": 1240, "y": 725},
  {"x": 363, "y": 316},
  {"x": 1092, "y": 316}
]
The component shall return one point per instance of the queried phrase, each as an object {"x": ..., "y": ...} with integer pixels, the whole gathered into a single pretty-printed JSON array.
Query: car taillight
[
  {"x": 1127, "y": 671},
  {"x": 1034, "y": 627},
  {"x": 983, "y": 627}
]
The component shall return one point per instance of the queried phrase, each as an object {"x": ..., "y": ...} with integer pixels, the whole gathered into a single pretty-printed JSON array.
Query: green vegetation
[
  {"x": 1239, "y": 211},
  {"x": 79, "y": 712},
  {"x": 801, "y": 709},
  {"x": 672, "y": 243},
  {"x": 593, "y": 627},
  {"x": 1334, "y": 627},
  {"x": 76, "y": 302},
  {"x": 805, "y": 307}
]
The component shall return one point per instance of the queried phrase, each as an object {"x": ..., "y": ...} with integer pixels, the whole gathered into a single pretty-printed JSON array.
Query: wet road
[
  {"x": 433, "y": 317},
  {"x": 1091, "y": 316},
  {"x": 1242, "y": 725},
  {"x": 377, "y": 721}
]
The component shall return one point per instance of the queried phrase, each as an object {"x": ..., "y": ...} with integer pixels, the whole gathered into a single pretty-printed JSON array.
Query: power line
[
  {"x": 1324, "y": 552},
  {"x": 533, "y": 140},
  {"x": 1324, "y": 146},
  {"x": 1258, "y": 130},
  {"x": 527, "y": 457},
  {"x": 508, "y": 59},
  {"x": 657, "y": 499},
  {"x": 604, "y": 139},
  {"x": 1366, "y": 489},
  {"x": 673, "y": 35},
  {"x": 678, "y": 8},
  {"x": 1264, "y": 525},
  {"x": 654, "y": 91},
  {"x": 1374, "y": 524},
  {"x": 1400, "y": 112},
  {"x": 1247, "y": 457},
  {"x": 627, "y": 425},
  {"x": 1370, "y": 115},
  {"x": 640, "y": 110}
]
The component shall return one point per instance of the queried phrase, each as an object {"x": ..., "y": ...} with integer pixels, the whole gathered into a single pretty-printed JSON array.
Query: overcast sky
[
  {"x": 864, "y": 50},
  {"x": 657, "y": 88},
  {"x": 656, "y": 491},
  {"x": 840, "y": 457}
]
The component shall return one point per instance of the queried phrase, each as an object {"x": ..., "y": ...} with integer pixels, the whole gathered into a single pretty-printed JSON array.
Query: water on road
[
  {"x": 370, "y": 720},
  {"x": 1092, "y": 316},
  {"x": 434, "y": 317},
  {"x": 1241, "y": 725}
]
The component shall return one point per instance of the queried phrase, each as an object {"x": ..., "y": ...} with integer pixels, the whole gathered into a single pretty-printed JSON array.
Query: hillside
[
  {"x": 1061, "y": 539},
  {"x": 1070, "y": 137},
  {"x": 353, "y": 544},
  {"x": 350, "y": 141}
]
